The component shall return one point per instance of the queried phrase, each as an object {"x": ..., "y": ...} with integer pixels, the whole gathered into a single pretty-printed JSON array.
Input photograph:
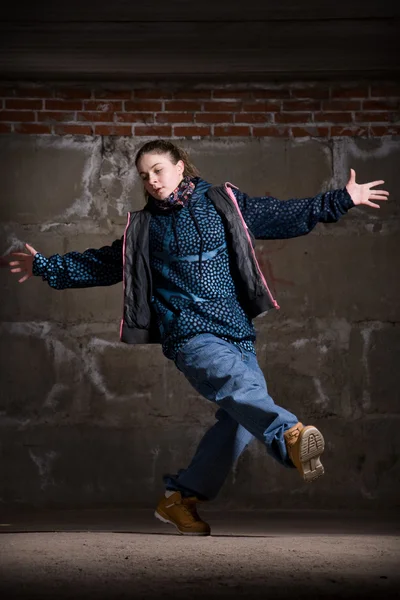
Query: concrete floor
[{"x": 106, "y": 554}]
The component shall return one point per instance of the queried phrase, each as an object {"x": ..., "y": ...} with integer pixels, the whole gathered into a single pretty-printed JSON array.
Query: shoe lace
[{"x": 293, "y": 436}]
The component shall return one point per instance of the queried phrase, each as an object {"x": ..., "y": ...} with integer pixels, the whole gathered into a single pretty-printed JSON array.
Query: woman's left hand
[{"x": 362, "y": 193}]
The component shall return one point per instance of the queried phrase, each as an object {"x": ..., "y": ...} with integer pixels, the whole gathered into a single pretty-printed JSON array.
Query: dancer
[{"x": 192, "y": 283}]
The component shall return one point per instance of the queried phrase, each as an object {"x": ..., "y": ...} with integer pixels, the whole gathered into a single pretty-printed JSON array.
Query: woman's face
[{"x": 160, "y": 176}]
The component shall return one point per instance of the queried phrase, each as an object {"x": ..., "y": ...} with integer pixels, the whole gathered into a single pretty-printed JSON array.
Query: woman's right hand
[{"x": 22, "y": 265}]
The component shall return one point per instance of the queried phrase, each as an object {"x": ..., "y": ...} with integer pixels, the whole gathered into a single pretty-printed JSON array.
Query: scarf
[{"x": 179, "y": 197}]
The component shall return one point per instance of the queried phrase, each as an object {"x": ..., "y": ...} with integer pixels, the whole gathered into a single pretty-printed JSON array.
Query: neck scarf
[{"x": 179, "y": 197}]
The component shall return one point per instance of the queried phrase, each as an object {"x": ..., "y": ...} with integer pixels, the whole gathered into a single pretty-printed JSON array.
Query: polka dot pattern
[
  {"x": 101, "y": 266},
  {"x": 187, "y": 299},
  {"x": 186, "y": 302},
  {"x": 269, "y": 218}
]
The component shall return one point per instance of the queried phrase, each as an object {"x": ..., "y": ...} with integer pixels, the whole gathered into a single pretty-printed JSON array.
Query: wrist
[
  {"x": 39, "y": 264},
  {"x": 347, "y": 198}
]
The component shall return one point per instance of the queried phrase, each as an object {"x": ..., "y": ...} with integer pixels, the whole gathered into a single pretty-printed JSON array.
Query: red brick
[
  {"x": 113, "y": 94},
  {"x": 350, "y": 92},
  {"x": 310, "y": 131},
  {"x": 193, "y": 95},
  {"x": 5, "y": 127},
  {"x": 376, "y": 117},
  {"x": 273, "y": 94},
  {"x": 333, "y": 117},
  {"x": 378, "y": 130},
  {"x": 102, "y": 117},
  {"x": 231, "y": 130},
  {"x": 174, "y": 117},
  {"x": 33, "y": 92},
  {"x": 320, "y": 93},
  {"x": 338, "y": 130},
  {"x": 7, "y": 92},
  {"x": 102, "y": 106},
  {"x": 134, "y": 117},
  {"x": 54, "y": 116},
  {"x": 261, "y": 106},
  {"x": 222, "y": 106},
  {"x": 341, "y": 105},
  {"x": 385, "y": 90},
  {"x": 233, "y": 94},
  {"x": 32, "y": 128},
  {"x": 154, "y": 130},
  {"x": 17, "y": 104},
  {"x": 182, "y": 105},
  {"x": 63, "y": 105},
  {"x": 299, "y": 117},
  {"x": 270, "y": 131},
  {"x": 252, "y": 118},
  {"x": 301, "y": 105},
  {"x": 143, "y": 105},
  {"x": 72, "y": 130},
  {"x": 191, "y": 131},
  {"x": 16, "y": 115},
  {"x": 73, "y": 93},
  {"x": 113, "y": 130},
  {"x": 214, "y": 117},
  {"x": 393, "y": 104},
  {"x": 152, "y": 94}
]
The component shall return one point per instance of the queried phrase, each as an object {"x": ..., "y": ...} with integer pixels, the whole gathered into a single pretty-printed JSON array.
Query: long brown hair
[{"x": 175, "y": 153}]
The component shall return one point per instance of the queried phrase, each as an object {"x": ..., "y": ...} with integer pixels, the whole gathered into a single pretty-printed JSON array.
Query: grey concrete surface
[
  {"x": 88, "y": 421},
  {"x": 250, "y": 554}
]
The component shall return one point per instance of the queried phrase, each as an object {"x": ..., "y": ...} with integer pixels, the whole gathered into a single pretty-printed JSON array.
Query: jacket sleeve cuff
[
  {"x": 346, "y": 200},
  {"x": 39, "y": 264}
]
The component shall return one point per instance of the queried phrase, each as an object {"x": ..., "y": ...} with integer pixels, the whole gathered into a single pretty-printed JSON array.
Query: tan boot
[
  {"x": 182, "y": 513},
  {"x": 305, "y": 445}
]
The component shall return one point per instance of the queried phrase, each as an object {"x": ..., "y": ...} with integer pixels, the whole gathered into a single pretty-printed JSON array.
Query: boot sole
[
  {"x": 165, "y": 520},
  {"x": 312, "y": 445}
]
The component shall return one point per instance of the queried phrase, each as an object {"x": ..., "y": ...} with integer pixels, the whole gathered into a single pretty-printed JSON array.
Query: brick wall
[{"x": 287, "y": 110}]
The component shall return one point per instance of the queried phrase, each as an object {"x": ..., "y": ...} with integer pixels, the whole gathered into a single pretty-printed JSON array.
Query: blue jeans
[{"x": 232, "y": 379}]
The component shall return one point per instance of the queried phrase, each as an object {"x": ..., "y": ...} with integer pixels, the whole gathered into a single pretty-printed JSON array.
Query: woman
[{"x": 192, "y": 282}]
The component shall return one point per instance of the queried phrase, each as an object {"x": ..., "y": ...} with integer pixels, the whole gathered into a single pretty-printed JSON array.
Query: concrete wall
[{"x": 86, "y": 420}]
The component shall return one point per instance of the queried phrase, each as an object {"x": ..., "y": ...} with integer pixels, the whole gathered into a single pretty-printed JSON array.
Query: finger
[
  {"x": 23, "y": 279},
  {"x": 380, "y": 192},
  {"x": 17, "y": 270},
  {"x": 19, "y": 254},
  {"x": 17, "y": 263},
  {"x": 367, "y": 202},
  {"x": 377, "y": 197},
  {"x": 31, "y": 249},
  {"x": 373, "y": 183},
  {"x": 352, "y": 176}
]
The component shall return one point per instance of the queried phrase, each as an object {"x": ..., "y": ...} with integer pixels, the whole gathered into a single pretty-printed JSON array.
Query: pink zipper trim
[
  {"x": 123, "y": 275},
  {"x": 232, "y": 197}
]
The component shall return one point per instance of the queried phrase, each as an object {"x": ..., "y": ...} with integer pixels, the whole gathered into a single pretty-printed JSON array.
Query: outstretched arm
[
  {"x": 93, "y": 267},
  {"x": 270, "y": 218}
]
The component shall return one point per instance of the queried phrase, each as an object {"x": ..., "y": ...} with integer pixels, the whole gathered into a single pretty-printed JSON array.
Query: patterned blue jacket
[{"x": 179, "y": 276}]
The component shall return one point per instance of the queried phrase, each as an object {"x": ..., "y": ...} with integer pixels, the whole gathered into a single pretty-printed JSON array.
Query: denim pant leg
[
  {"x": 215, "y": 456},
  {"x": 233, "y": 380}
]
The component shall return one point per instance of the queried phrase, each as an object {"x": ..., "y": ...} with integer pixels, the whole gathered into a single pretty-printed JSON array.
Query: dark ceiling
[{"x": 183, "y": 40}]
